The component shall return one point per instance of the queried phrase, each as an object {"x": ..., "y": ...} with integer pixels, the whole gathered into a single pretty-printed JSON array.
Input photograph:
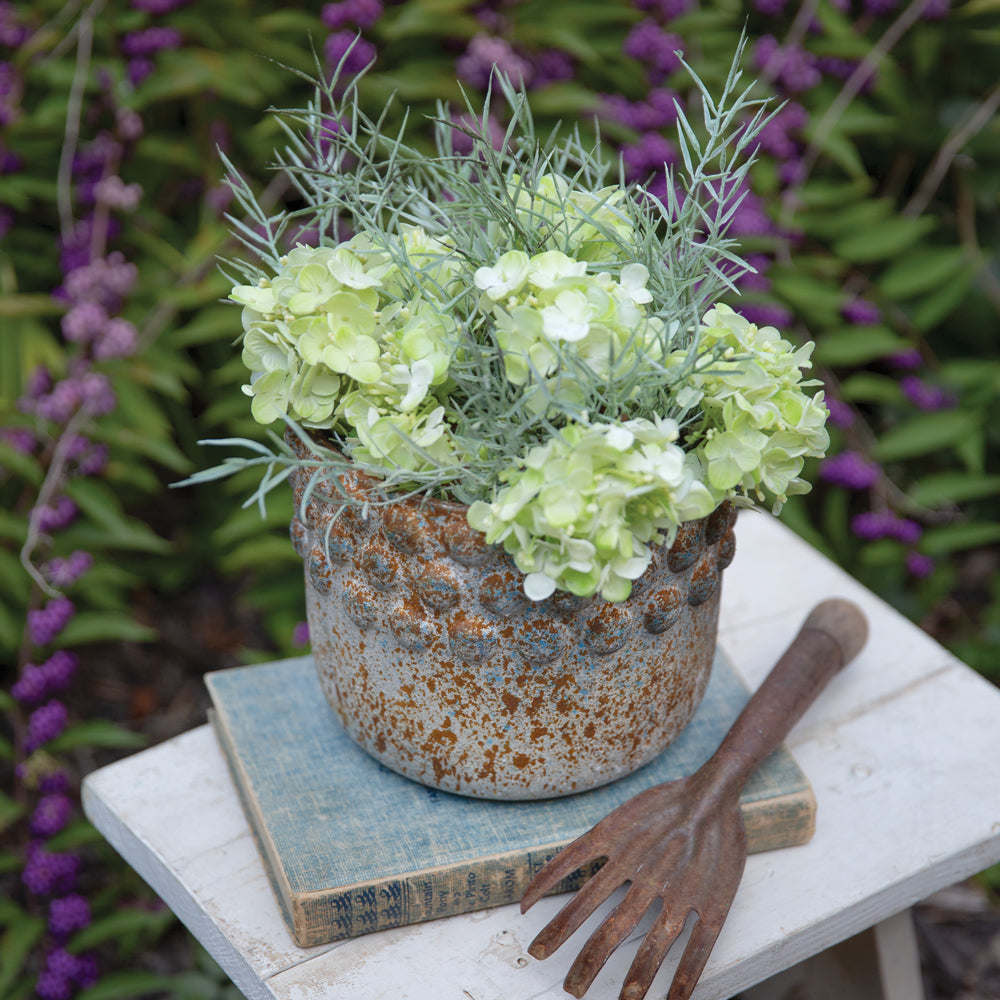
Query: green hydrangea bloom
[
  {"x": 759, "y": 424},
  {"x": 337, "y": 318},
  {"x": 581, "y": 511},
  {"x": 413, "y": 441},
  {"x": 551, "y": 316}
]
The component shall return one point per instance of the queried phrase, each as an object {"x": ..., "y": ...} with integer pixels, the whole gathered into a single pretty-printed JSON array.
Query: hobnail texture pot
[{"x": 440, "y": 667}]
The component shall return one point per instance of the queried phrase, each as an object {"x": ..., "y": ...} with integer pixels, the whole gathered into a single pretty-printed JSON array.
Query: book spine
[{"x": 476, "y": 885}]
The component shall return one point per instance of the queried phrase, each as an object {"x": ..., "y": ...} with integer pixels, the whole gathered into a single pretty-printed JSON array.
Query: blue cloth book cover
[{"x": 351, "y": 847}]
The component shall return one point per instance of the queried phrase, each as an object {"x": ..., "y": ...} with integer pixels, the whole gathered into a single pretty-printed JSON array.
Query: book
[{"x": 351, "y": 847}]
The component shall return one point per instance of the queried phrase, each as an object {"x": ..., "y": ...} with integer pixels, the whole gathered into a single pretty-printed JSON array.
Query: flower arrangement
[{"x": 511, "y": 327}]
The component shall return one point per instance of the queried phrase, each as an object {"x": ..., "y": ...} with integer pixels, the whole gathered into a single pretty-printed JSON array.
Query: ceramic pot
[{"x": 440, "y": 667}]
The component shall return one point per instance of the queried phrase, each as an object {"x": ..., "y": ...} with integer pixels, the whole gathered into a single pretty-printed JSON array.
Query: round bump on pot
[
  {"x": 299, "y": 535},
  {"x": 471, "y": 637},
  {"x": 501, "y": 594},
  {"x": 380, "y": 565},
  {"x": 360, "y": 603},
  {"x": 686, "y": 548},
  {"x": 338, "y": 540},
  {"x": 320, "y": 573},
  {"x": 464, "y": 544},
  {"x": 663, "y": 611},
  {"x": 726, "y": 550},
  {"x": 316, "y": 515},
  {"x": 719, "y": 522},
  {"x": 412, "y": 629},
  {"x": 438, "y": 586},
  {"x": 565, "y": 603},
  {"x": 704, "y": 580},
  {"x": 540, "y": 639},
  {"x": 609, "y": 629},
  {"x": 406, "y": 529}
]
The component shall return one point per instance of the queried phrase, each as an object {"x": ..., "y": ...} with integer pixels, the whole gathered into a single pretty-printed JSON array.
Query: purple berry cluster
[
  {"x": 345, "y": 46},
  {"x": 491, "y": 54},
  {"x": 54, "y": 675},
  {"x": 142, "y": 45},
  {"x": 851, "y": 470}
]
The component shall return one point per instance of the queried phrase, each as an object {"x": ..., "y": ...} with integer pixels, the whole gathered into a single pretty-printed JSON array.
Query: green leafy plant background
[{"x": 900, "y": 207}]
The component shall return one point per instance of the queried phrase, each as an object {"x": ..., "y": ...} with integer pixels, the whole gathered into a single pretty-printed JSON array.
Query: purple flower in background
[
  {"x": 59, "y": 404},
  {"x": 657, "y": 111},
  {"x": 486, "y": 54},
  {"x": 363, "y": 13},
  {"x": 37, "y": 683},
  {"x": 54, "y": 781},
  {"x": 793, "y": 67},
  {"x": 118, "y": 340},
  {"x": 666, "y": 9},
  {"x": 12, "y": 32},
  {"x": 552, "y": 66},
  {"x": 750, "y": 218},
  {"x": 51, "y": 814},
  {"x": 649, "y": 44},
  {"x": 769, "y": 8},
  {"x": 462, "y": 142},
  {"x": 47, "y": 873},
  {"x": 841, "y": 415},
  {"x": 148, "y": 41},
  {"x": 756, "y": 280},
  {"x": 924, "y": 395},
  {"x": 49, "y": 986},
  {"x": 878, "y": 7},
  {"x": 11, "y": 90},
  {"x": 349, "y": 51},
  {"x": 650, "y": 155},
  {"x": 936, "y": 10},
  {"x": 64, "y": 572},
  {"x": 96, "y": 392},
  {"x": 45, "y": 723},
  {"x": 115, "y": 193},
  {"x": 139, "y": 70},
  {"x": 861, "y": 312},
  {"x": 776, "y": 138},
  {"x": 906, "y": 360},
  {"x": 874, "y": 525},
  {"x": 300, "y": 635},
  {"x": 55, "y": 516},
  {"x": 44, "y": 624},
  {"x": 84, "y": 322},
  {"x": 799, "y": 71},
  {"x": 791, "y": 173},
  {"x": 766, "y": 314},
  {"x": 919, "y": 565},
  {"x": 158, "y": 7},
  {"x": 851, "y": 470},
  {"x": 68, "y": 914},
  {"x": 93, "y": 464},
  {"x": 21, "y": 439},
  {"x": 106, "y": 280}
]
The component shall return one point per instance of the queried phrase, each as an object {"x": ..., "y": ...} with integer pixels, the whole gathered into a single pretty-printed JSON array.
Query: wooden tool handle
[{"x": 831, "y": 636}]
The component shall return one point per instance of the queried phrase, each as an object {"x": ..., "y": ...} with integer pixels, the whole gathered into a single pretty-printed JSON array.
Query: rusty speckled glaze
[{"x": 440, "y": 667}]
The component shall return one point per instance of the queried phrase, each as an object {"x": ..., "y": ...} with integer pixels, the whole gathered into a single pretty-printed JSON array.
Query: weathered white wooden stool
[{"x": 902, "y": 749}]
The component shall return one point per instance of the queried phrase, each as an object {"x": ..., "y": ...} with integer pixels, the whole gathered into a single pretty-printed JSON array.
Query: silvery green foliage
[{"x": 509, "y": 324}]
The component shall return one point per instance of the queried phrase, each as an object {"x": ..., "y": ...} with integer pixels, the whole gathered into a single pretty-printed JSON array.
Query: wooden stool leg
[
  {"x": 898, "y": 958},
  {"x": 879, "y": 964}
]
